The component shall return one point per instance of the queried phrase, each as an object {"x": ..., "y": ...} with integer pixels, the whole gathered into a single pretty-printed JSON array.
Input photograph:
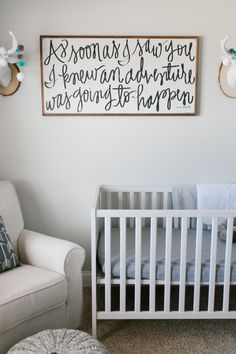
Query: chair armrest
[
  {"x": 48, "y": 252},
  {"x": 59, "y": 256}
]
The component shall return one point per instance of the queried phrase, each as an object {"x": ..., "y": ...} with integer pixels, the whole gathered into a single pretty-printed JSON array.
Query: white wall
[{"x": 56, "y": 162}]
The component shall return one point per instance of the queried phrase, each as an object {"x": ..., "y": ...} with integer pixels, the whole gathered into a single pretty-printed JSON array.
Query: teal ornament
[
  {"x": 21, "y": 63},
  {"x": 20, "y": 49},
  {"x": 234, "y": 53}
]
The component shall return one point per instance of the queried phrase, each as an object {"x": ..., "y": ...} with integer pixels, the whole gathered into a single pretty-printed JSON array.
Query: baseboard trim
[{"x": 86, "y": 278}]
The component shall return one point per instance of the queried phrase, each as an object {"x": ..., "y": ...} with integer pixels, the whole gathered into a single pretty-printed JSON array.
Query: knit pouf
[{"x": 59, "y": 341}]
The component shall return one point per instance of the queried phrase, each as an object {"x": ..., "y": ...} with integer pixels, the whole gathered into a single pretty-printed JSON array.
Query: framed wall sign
[{"x": 128, "y": 75}]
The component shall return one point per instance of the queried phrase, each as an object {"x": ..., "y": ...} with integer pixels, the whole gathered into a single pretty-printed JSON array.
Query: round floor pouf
[{"x": 59, "y": 341}]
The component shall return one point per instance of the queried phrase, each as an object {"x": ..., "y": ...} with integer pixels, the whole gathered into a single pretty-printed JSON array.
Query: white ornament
[
  {"x": 3, "y": 62},
  {"x": 3, "y": 51},
  {"x": 231, "y": 75},
  {"x": 225, "y": 60},
  {"x": 228, "y": 59},
  {"x": 20, "y": 76}
]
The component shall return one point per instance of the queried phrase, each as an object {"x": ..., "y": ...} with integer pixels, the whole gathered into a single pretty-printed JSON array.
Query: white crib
[{"x": 137, "y": 208}]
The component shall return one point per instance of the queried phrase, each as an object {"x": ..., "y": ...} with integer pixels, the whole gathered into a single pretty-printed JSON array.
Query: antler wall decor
[{"x": 11, "y": 62}]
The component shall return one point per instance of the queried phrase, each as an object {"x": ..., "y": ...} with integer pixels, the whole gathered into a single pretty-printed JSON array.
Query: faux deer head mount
[
  {"x": 227, "y": 71},
  {"x": 10, "y": 73}
]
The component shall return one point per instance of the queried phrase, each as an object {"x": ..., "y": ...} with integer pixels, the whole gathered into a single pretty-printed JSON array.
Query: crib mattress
[{"x": 160, "y": 251}]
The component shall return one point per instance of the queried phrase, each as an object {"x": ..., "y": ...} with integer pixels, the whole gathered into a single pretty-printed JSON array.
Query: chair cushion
[
  {"x": 28, "y": 291},
  {"x": 8, "y": 257}
]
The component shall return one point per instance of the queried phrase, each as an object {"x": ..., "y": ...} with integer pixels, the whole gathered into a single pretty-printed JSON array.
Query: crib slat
[
  {"x": 122, "y": 264},
  {"x": 176, "y": 223},
  {"x": 143, "y": 200},
  {"x": 154, "y": 200},
  {"x": 183, "y": 252},
  {"x": 198, "y": 257},
  {"x": 168, "y": 264},
  {"x": 109, "y": 202},
  {"x": 212, "y": 275},
  {"x": 227, "y": 270},
  {"x": 103, "y": 200},
  {"x": 131, "y": 206},
  {"x": 107, "y": 264},
  {"x": 143, "y": 206},
  {"x": 165, "y": 205},
  {"x": 120, "y": 200},
  {"x": 137, "y": 263},
  {"x": 152, "y": 270},
  {"x": 166, "y": 198}
]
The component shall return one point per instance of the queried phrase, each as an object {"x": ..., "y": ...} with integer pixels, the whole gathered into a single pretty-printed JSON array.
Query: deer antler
[
  {"x": 14, "y": 44},
  {"x": 223, "y": 46}
]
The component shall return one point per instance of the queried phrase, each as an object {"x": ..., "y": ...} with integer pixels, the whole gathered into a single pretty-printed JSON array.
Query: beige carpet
[{"x": 158, "y": 336}]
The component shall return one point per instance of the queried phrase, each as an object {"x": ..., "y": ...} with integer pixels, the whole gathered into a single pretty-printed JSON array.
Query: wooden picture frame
[{"x": 119, "y": 75}]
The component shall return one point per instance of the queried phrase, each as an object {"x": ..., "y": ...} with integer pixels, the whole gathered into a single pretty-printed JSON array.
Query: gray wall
[{"x": 56, "y": 162}]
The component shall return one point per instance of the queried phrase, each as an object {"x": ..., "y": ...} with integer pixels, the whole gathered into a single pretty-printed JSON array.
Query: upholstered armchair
[{"x": 46, "y": 291}]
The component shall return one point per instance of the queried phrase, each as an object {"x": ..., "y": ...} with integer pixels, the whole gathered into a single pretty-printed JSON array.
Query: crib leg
[
  {"x": 94, "y": 314},
  {"x": 94, "y": 228},
  {"x": 94, "y": 325}
]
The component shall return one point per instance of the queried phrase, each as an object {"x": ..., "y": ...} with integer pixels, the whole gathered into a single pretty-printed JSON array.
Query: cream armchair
[{"x": 46, "y": 291}]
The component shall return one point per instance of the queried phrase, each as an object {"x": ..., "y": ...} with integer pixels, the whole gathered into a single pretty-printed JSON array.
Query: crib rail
[
  {"x": 134, "y": 198},
  {"x": 137, "y": 208}
]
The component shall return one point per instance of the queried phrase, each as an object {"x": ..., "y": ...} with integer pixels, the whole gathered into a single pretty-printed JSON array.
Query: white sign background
[{"x": 84, "y": 75}]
